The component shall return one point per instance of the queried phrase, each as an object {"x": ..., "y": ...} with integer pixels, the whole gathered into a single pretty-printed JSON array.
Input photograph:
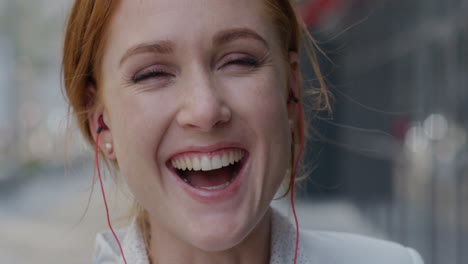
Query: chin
[
  {"x": 224, "y": 230},
  {"x": 219, "y": 238}
]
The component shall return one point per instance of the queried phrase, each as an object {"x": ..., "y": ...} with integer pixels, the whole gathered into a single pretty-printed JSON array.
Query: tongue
[{"x": 210, "y": 178}]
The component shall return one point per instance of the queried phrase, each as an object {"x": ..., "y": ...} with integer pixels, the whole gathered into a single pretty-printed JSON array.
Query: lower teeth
[{"x": 211, "y": 188}]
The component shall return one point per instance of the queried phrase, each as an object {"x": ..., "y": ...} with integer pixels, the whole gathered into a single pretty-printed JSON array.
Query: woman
[{"x": 197, "y": 105}]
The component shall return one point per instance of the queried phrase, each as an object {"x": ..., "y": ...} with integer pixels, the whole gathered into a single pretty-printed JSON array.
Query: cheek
[
  {"x": 263, "y": 104},
  {"x": 127, "y": 117},
  {"x": 140, "y": 124},
  {"x": 137, "y": 128}
]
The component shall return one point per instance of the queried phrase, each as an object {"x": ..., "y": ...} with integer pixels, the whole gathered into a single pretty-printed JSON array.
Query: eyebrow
[
  {"x": 161, "y": 47},
  {"x": 167, "y": 47},
  {"x": 229, "y": 35}
]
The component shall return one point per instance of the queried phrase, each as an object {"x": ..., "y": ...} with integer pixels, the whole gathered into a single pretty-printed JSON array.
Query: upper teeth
[{"x": 206, "y": 162}]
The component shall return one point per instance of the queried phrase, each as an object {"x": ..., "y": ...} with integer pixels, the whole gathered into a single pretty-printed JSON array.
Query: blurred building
[
  {"x": 397, "y": 145},
  {"x": 32, "y": 108}
]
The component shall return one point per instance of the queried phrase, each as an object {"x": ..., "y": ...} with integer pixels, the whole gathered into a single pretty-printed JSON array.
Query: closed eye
[
  {"x": 154, "y": 73},
  {"x": 252, "y": 62},
  {"x": 239, "y": 62},
  {"x": 150, "y": 74}
]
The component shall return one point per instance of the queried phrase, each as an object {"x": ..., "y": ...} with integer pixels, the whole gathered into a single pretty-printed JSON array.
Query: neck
[{"x": 255, "y": 248}]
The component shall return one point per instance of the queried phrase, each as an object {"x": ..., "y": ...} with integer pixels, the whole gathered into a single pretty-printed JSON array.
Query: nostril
[
  {"x": 204, "y": 116},
  {"x": 226, "y": 114}
]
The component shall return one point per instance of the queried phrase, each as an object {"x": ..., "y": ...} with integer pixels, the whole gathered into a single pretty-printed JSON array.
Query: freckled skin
[{"x": 206, "y": 95}]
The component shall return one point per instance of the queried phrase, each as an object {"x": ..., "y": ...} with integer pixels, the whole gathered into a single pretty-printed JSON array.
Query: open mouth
[{"x": 209, "y": 171}]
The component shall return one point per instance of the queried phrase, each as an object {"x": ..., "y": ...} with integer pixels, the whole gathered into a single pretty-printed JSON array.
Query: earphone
[
  {"x": 291, "y": 98},
  {"x": 102, "y": 126}
]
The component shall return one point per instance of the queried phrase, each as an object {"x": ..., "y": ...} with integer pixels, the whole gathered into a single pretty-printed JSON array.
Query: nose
[{"x": 204, "y": 107}]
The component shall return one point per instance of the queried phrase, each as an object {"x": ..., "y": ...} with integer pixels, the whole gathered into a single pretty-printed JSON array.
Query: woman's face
[{"x": 195, "y": 97}]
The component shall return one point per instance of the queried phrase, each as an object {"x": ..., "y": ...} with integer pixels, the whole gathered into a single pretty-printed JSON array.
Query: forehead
[
  {"x": 181, "y": 10},
  {"x": 189, "y": 21}
]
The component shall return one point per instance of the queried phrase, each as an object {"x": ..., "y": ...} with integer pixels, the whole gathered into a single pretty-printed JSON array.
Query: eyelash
[
  {"x": 251, "y": 62},
  {"x": 151, "y": 74},
  {"x": 247, "y": 62}
]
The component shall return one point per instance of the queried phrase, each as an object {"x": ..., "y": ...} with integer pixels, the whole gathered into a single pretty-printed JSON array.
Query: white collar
[{"x": 107, "y": 251}]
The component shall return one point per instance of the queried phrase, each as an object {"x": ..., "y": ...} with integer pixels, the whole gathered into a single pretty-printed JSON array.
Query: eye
[
  {"x": 241, "y": 61},
  {"x": 154, "y": 72},
  {"x": 251, "y": 62}
]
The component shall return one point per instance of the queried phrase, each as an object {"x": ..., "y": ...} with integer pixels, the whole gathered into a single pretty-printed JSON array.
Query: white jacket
[{"x": 314, "y": 248}]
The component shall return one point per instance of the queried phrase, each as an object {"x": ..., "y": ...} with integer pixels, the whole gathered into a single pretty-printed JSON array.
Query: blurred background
[{"x": 391, "y": 163}]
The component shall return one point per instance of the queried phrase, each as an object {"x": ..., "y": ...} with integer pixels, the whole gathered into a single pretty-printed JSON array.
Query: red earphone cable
[
  {"x": 293, "y": 178},
  {"x": 104, "y": 196}
]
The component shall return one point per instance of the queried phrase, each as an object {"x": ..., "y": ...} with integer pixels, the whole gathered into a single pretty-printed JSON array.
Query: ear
[
  {"x": 105, "y": 136},
  {"x": 293, "y": 85}
]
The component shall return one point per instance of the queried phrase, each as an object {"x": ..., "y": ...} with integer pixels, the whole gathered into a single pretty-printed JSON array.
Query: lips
[
  {"x": 208, "y": 170},
  {"x": 211, "y": 174},
  {"x": 207, "y": 161}
]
